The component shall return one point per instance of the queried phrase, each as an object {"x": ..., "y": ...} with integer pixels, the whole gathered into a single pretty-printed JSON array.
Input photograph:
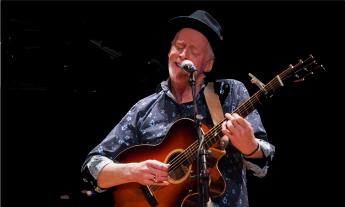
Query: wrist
[
  {"x": 128, "y": 172},
  {"x": 257, "y": 148}
]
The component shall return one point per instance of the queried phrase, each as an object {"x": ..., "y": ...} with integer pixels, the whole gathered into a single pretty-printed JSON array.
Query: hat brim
[{"x": 189, "y": 22}]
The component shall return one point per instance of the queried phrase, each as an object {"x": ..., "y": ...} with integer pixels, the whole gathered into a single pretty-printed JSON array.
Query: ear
[{"x": 209, "y": 65}]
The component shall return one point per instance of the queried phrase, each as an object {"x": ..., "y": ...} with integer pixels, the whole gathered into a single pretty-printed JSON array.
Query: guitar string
[
  {"x": 274, "y": 82},
  {"x": 215, "y": 131},
  {"x": 245, "y": 108},
  {"x": 190, "y": 151}
]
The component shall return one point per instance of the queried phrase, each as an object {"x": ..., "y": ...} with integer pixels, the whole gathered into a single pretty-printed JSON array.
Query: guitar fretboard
[{"x": 188, "y": 156}]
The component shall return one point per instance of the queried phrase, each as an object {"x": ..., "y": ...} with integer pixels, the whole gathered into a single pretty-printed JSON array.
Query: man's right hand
[{"x": 149, "y": 172}]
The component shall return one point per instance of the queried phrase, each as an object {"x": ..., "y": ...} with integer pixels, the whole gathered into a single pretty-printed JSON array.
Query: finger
[
  {"x": 150, "y": 182},
  {"x": 159, "y": 168},
  {"x": 225, "y": 130},
  {"x": 231, "y": 120},
  {"x": 240, "y": 120},
  {"x": 154, "y": 178},
  {"x": 157, "y": 180},
  {"x": 236, "y": 119},
  {"x": 163, "y": 174},
  {"x": 225, "y": 139},
  {"x": 159, "y": 173},
  {"x": 228, "y": 116},
  {"x": 155, "y": 164},
  {"x": 230, "y": 126},
  {"x": 163, "y": 183},
  {"x": 236, "y": 115},
  {"x": 162, "y": 178},
  {"x": 244, "y": 125}
]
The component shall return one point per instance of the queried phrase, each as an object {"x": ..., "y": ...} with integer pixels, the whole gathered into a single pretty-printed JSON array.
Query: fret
[{"x": 246, "y": 107}]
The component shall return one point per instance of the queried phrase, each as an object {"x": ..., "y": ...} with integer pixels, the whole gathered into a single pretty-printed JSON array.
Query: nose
[{"x": 184, "y": 54}]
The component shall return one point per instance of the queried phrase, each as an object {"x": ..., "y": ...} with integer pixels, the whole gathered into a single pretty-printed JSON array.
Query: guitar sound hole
[{"x": 180, "y": 167}]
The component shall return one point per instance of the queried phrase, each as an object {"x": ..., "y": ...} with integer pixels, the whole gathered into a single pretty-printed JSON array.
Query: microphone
[{"x": 188, "y": 66}]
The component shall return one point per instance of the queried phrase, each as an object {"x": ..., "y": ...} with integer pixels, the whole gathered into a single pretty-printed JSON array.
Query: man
[{"x": 197, "y": 39}]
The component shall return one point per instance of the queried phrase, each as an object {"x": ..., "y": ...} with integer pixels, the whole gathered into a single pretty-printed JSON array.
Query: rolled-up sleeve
[{"x": 122, "y": 136}]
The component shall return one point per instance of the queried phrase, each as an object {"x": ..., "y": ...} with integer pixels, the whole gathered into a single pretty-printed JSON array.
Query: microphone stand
[{"x": 202, "y": 172}]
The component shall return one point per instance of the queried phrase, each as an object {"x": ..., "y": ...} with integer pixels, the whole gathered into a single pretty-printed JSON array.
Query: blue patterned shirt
[{"x": 149, "y": 120}]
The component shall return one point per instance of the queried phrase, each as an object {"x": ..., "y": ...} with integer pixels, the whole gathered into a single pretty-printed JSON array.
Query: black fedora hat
[{"x": 203, "y": 22}]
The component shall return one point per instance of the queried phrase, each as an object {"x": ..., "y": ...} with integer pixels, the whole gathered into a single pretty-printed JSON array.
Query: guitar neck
[
  {"x": 244, "y": 109},
  {"x": 298, "y": 72},
  {"x": 215, "y": 133}
]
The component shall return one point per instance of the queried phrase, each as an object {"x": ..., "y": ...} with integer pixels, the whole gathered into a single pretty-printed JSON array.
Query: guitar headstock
[
  {"x": 302, "y": 70},
  {"x": 298, "y": 72}
]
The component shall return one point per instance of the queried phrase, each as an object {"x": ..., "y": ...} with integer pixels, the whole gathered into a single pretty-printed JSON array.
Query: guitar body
[
  {"x": 179, "y": 149},
  {"x": 180, "y": 136},
  {"x": 216, "y": 183}
]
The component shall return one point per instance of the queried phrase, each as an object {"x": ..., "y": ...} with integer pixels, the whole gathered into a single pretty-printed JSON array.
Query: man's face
[{"x": 191, "y": 45}]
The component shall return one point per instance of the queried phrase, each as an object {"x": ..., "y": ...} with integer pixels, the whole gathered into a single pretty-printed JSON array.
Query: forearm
[{"x": 106, "y": 173}]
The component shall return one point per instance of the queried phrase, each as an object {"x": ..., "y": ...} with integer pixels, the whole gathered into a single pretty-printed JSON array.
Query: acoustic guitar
[{"x": 179, "y": 149}]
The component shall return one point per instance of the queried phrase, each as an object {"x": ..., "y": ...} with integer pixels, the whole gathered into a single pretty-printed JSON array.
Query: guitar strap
[
  {"x": 213, "y": 103},
  {"x": 216, "y": 110}
]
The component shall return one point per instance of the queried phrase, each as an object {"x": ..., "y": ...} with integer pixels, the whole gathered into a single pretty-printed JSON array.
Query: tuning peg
[
  {"x": 299, "y": 80},
  {"x": 323, "y": 68},
  {"x": 306, "y": 76},
  {"x": 296, "y": 76}
]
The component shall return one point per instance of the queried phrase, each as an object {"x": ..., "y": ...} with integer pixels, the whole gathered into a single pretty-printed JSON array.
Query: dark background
[{"x": 71, "y": 70}]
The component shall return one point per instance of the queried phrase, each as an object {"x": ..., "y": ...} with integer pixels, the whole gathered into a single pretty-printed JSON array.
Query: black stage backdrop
[{"x": 71, "y": 70}]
